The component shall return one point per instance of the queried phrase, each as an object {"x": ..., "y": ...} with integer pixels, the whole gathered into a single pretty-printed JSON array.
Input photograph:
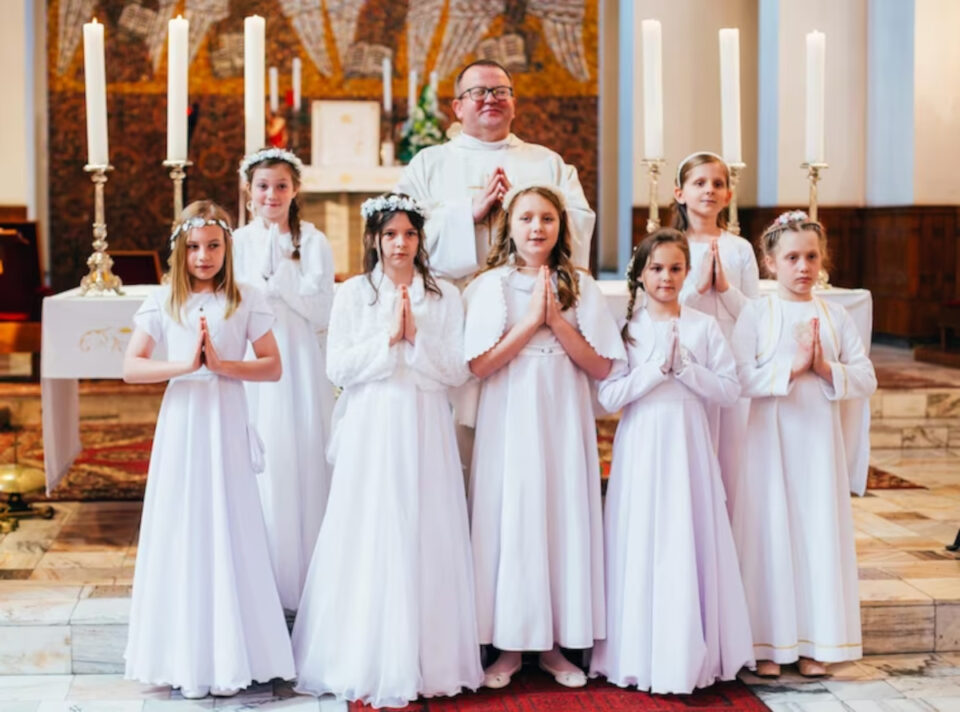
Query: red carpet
[{"x": 534, "y": 691}]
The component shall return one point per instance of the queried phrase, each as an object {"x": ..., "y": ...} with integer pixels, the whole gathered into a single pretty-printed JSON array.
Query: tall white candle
[
  {"x": 178, "y": 30},
  {"x": 297, "y": 75},
  {"x": 816, "y": 64},
  {"x": 730, "y": 94},
  {"x": 95, "y": 79},
  {"x": 274, "y": 78},
  {"x": 254, "y": 30},
  {"x": 411, "y": 92},
  {"x": 652, "y": 90},
  {"x": 387, "y": 69}
]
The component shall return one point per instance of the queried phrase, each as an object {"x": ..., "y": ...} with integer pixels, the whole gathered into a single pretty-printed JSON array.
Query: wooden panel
[
  {"x": 908, "y": 257},
  {"x": 15, "y": 213}
]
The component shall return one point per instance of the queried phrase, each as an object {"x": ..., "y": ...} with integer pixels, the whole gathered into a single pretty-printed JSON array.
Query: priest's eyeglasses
[{"x": 500, "y": 93}]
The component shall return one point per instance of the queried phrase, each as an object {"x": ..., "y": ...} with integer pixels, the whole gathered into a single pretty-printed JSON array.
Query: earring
[{"x": 250, "y": 207}]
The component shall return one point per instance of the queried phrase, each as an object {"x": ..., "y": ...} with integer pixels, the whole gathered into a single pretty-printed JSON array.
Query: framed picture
[{"x": 345, "y": 133}]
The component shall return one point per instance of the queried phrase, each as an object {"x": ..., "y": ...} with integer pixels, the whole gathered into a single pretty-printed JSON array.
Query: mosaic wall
[{"x": 550, "y": 46}]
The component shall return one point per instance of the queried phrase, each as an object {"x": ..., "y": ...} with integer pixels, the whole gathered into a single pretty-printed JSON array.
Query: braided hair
[{"x": 641, "y": 255}]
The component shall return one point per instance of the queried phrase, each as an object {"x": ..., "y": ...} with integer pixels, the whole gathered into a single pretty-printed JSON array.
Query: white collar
[{"x": 471, "y": 142}]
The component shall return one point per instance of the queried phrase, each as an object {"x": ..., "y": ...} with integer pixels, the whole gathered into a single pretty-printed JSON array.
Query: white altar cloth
[{"x": 85, "y": 337}]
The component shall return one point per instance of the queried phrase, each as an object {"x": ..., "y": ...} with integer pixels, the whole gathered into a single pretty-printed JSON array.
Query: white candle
[
  {"x": 652, "y": 90},
  {"x": 730, "y": 94},
  {"x": 411, "y": 92},
  {"x": 816, "y": 51},
  {"x": 178, "y": 30},
  {"x": 297, "y": 73},
  {"x": 254, "y": 30},
  {"x": 274, "y": 79},
  {"x": 95, "y": 78},
  {"x": 387, "y": 69},
  {"x": 434, "y": 81}
]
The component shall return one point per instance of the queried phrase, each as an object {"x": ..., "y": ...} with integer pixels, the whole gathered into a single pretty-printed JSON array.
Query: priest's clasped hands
[
  {"x": 711, "y": 271},
  {"x": 492, "y": 195},
  {"x": 404, "y": 326}
]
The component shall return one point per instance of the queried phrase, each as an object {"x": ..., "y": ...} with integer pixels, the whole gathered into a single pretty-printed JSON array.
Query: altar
[{"x": 85, "y": 337}]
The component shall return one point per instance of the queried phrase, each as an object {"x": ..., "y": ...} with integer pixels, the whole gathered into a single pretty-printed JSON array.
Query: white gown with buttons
[
  {"x": 388, "y": 610},
  {"x": 535, "y": 482},
  {"x": 292, "y": 415},
  {"x": 676, "y": 612},
  {"x": 205, "y": 610}
]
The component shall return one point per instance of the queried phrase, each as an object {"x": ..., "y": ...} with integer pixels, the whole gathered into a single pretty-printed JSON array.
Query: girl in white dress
[
  {"x": 676, "y": 612},
  {"x": 537, "y": 332},
  {"x": 388, "y": 611},
  {"x": 205, "y": 614},
  {"x": 797, "y": 357},
  {"x": 291, "y": 261},
  {"x": 723, "y": 277}
]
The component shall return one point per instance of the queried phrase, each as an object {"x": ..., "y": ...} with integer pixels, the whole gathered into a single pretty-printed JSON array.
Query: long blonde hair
[
  {"x": 504, "y": 249},
  {"x": 179, "y": 276}
]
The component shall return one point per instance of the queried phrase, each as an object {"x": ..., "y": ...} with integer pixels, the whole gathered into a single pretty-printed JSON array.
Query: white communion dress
[
  {"x": 728, "y": 424},
  {"x": 205, "y": 610},
  {"x": 676, "y": 612},
  {"x": 292, "y": 415},
  {"x": 535, "y": 482},
  {"x": 792, "y": 519},
  {"x": 388, "y": 610}
]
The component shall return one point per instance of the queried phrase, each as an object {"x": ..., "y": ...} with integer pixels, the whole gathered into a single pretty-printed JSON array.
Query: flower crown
[
  {"x": 267, "y": 154},
  {"x": 692, "y": 156},
  {"x": 391, "y": 202},
  {"x": 792, "y": 216},
  {"x": 196, "y": 222}
]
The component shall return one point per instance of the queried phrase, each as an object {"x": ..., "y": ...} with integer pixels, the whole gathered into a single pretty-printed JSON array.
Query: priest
[{"x": 462, "y": 182}]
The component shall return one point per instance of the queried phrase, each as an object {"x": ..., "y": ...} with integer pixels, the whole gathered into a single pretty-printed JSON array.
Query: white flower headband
[
  {"x": 694, "y": 155},
  {"x": 276, "y": 154},
  {"x": 393, "y": 203},
  {"x": 517, "y": 190},
  {"x": 792, "y": 216},
  {"x": 196, "y": 222}
]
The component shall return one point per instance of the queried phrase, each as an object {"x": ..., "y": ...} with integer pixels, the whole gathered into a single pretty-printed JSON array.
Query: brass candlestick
[
  {"x": 653, "y": 171},
  {"x": 733, "y": 223},
  {"x": 178, "y": 172},
  {"x": 100, "y": 280},
  {"x": 813, "y": 175}
]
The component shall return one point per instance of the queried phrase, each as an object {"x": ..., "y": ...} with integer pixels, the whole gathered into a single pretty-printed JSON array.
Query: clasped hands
[
  {"x": 205, "y": 353},
  {"x": 492, "y": 195},
  {"x": 711, "y": 270},
  {"x": 404, "y": 325},
  {"x": 544, "y": 307},
  {"x": 809, "y": 355},
  {"x": 673, "y": 356}
]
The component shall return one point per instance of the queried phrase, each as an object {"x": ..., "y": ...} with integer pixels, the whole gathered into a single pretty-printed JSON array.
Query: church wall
[
  {"x": 936, "y": 102},
  {"x": 15, "y": 137},
  {"x": 557, "y": 102}
]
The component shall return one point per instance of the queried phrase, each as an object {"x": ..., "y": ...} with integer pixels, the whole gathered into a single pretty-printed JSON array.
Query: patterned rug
[
  {"x": 897, "y": 378},
  {"x": 534, "y": 691},
  {"x": 112, "y": 466}
]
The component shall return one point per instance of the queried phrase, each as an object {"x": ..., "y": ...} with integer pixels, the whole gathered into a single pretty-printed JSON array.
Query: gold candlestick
[
  {"x": 813, "y": 175},
  {"x": 733, "y": 223},
  {"x": 178, "y": 172},
  {"x": 100, "y": 280},
  {"x": 653, "y": 171}
]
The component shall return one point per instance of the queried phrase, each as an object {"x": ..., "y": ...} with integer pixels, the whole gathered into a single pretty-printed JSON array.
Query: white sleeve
[
  {"x": 355, "y": 355},
  {"x": 595, "y": 321},
  {"x": 757, "y": 380},
  {"x": 437, "y": 351},
  {"x": 580, "y": 216},
  {"x": 449, "y": 230},
  {"x": 716, "y": 380},
  {"x": 735, "y": 297},
  {"x": 628, "y": 383},
  {"x": 853, "y": 373},
  {"x": 306, "y": 285}
]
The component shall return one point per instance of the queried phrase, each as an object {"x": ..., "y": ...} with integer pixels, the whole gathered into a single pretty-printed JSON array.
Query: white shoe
[
  {"x": 223, "y": 692},
  {"x": 567, "y": 678},
  {"x": 498, "y": 680},
  {"x": 194, "y": 693}
]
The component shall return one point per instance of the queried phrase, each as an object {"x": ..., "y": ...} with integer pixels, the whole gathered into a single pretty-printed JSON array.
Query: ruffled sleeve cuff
[
  {"x": 486, "y": 314},
  {"x": 149, "y": 317},
  {"x": 595, "y": 322}
]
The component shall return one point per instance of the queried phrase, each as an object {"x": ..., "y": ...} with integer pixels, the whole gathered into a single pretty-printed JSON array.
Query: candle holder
[
  {"x": 178, "y": 172},
  {"x": 813, "y": 175},
  {"x": 733, "y": 217},
  {"x": 653, "y": 171},
  {"x": 100, "y": 280}
]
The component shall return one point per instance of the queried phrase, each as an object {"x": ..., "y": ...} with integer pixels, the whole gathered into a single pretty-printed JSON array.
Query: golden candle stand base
[{"x": 100, "y": 280}]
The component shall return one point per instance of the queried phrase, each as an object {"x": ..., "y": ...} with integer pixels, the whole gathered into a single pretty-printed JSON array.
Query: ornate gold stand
[
  {"x": 733, "y": 223},
  {"x": 813, "y": 175},
  {"x": 100, "y": 280},
  {"x": 653, "y": 171},
  {"x": 178, "y": 171}
]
